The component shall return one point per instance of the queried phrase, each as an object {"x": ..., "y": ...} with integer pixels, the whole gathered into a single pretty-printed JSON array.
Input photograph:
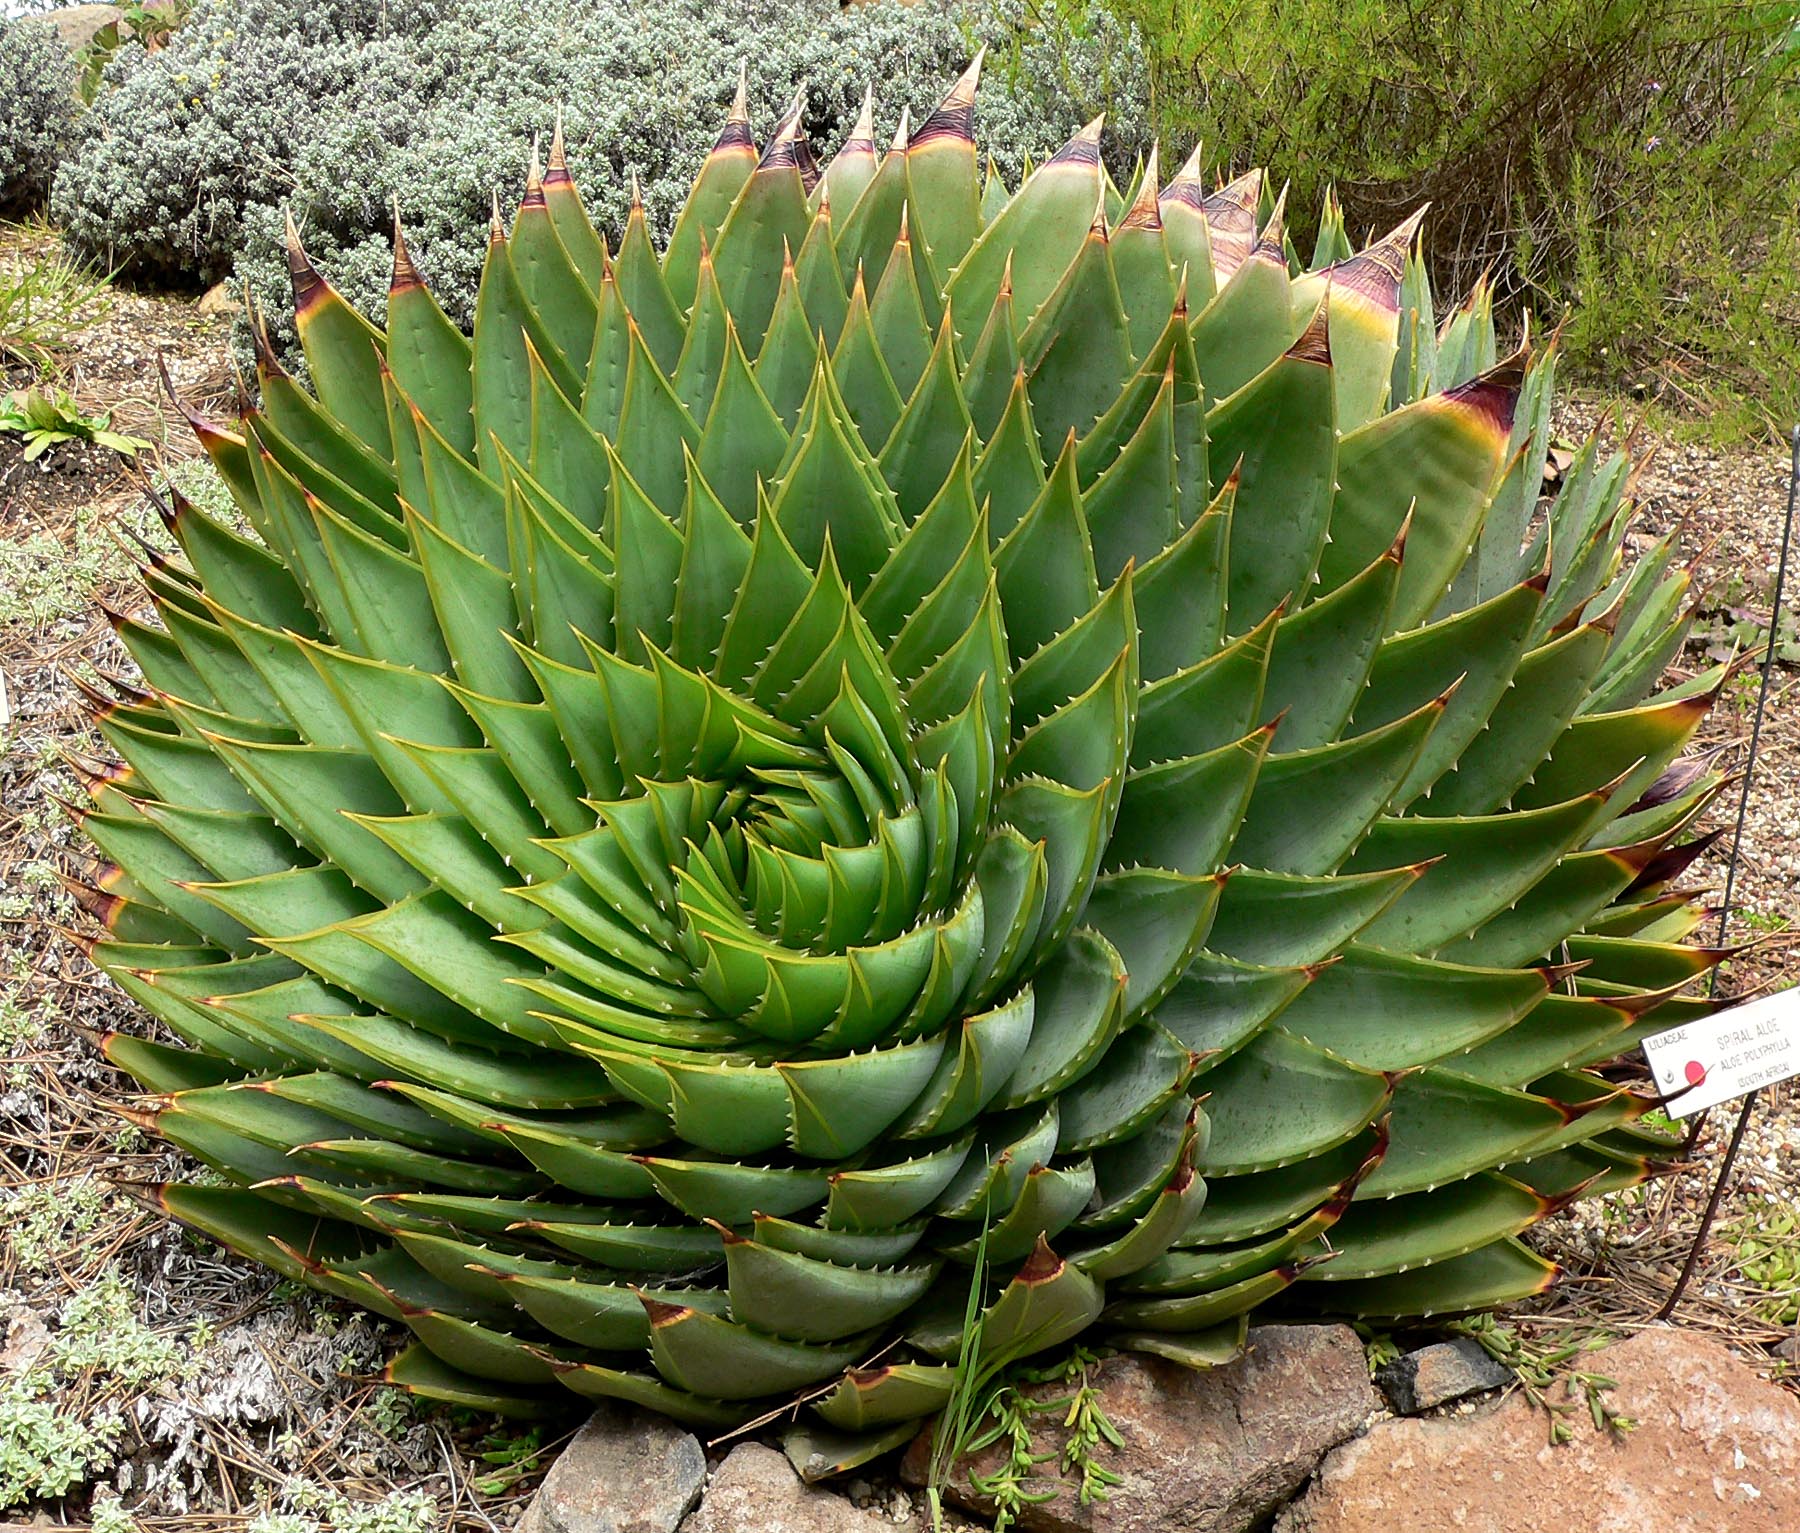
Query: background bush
[
  {"x": 335, "y": 109},
  {"x": 1635, "y": 162},
  {"x": 37, "y": 111}
]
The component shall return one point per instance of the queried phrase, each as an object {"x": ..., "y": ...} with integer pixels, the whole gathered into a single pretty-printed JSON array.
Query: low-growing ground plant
[{"x": 44, "y": 418}]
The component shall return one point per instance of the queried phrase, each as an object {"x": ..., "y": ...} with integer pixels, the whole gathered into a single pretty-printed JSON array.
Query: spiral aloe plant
[{"x": 925, "y": 744}]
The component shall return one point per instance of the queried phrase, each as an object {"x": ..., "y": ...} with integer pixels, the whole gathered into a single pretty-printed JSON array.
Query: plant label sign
[{"x": 1738, "y": 1050}]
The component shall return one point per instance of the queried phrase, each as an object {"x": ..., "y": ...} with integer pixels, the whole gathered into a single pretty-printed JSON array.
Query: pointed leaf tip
[
  {"x": 1492, "y": 396},
  {"x": 1083, "y": 148},
  {"x": 954, "y": 117},
  {"x": 406, "y": 274},
  {"x": 1145, "y": 212},
  {"x": 1314, "y": 344},
  {"x": 308, "y": 284},
  {"x": 557, "y": 167}
]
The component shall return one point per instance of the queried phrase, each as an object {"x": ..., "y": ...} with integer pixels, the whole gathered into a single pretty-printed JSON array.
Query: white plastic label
[{"x": 1732, "y": 1052}]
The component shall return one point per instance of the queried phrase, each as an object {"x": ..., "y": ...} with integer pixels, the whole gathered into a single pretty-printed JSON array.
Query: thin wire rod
[{"x": 1762, "y": 698}]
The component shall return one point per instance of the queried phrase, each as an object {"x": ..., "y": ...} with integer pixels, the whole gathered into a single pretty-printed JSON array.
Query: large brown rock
[
  {"x": 756, "y": 1491},
  {"x": 1211, "y": 1452},
  {"x": 1717, "y": 1450},
  {"x": 77, "y": 25}
]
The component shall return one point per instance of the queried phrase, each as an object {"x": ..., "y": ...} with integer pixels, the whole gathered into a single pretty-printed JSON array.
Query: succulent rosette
[{"x": 927, "y": 753}]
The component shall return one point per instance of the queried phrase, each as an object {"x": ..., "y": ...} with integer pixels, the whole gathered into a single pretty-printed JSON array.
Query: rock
[
  {"x": 1438, "y": 1374},
  {"x": 219, "y": 299},
  {"x": 23, "y": 1337},
  {"x": 1716, "y": 1448},
  {"x": 1211, "y": 1452},
  {"x": 625, "y": 1472},
  {"x": 1789, "y": 1350},
  {"x": 77, "y": 24},
  {"x": 756, "y": 1491}
]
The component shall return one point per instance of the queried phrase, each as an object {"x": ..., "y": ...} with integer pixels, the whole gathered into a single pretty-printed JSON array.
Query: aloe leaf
[
  {"x": 344, "y": 351},
  {"x": 727, "y": 167},
  {"x": 1279, "y": 1100},
  {"x": 1279, "y": 430},
  {"x": 1039, "y": 233}
]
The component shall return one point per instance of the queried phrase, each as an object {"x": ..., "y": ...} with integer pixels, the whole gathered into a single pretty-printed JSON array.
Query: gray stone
[
  {"x": 1716, "y": 1450},
  {"x": 1441, "y": 1373},
  {"x": 1212, "y": 1452},
  {"x": 756, "y": 1491},
  {"x": 23, "y": 1337},
  {"x": 625, "y": 1472},
  {"x": 1789, "y": 1350}
]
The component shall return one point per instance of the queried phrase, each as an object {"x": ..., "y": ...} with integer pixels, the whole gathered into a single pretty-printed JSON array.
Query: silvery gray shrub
[
  {"x": 336, "y": 109},
  {"x": 37, "y": 111}
]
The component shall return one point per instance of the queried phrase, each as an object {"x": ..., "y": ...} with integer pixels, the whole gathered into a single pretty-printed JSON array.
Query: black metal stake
[{"x": 1735, "y": 1143}]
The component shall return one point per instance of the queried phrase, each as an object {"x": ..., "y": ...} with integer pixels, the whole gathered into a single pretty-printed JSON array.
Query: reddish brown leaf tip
[
  {"x": 1494, "y": 395},
  {"x": 1314, "y": 344},
  {"x": 862, "y": 131},
  {"x": 784, "y": 151},
  {"x": 661, "y": 1314},
  {"x": 556, "y": 168},
  {"x": 1397, "y": 549},
  {"x": 1269, "y": 244},
  {"x": 309, "y": 286},
  {"x": 1042, "y": 1266},
  {"x": 954, "y": 119},
  {"x": 1232, "y": 208},
  {"x": 534, "y": 181},
  {"x": 1187, "y": 188},
  {"x": 1146, "y": 211},
  {"x": 406, "y": 275},
  {"x": 1375, "y": 273},
  {"x": 1083, "y": 148}
]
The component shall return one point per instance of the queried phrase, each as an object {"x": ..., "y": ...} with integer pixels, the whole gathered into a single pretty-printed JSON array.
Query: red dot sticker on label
[{"x": 1694, "y": 1071}]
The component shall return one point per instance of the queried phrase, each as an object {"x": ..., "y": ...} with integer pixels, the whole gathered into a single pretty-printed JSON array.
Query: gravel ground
[{"x": 238, "y": 1396}]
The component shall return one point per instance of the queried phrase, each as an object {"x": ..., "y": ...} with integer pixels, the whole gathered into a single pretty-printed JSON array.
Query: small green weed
[
  {"x": 1379, "y": 1349},
  {"x": 101, "y": 1331},
  {"x": 47, "y": 1445},
  {"x": 45, "y": 1450},
  {"x": 392, "y": 1411},
  {"x": 43, "y": 306},
  {"x": 107, "y": 1514},
  {"x": 1541, "y": 1367},
  {"x": 1767, "y": 1240},
  {"x": 315, "y": 1508},
  {"x": 513, "y": 1455},
  {"x": 47, "y": 417}
]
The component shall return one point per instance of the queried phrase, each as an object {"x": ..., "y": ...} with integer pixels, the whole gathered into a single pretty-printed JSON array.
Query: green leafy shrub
[
  {"x": 337, "y": 109},
  {"x": 1628, "y": 160},
  {"x": 37, "y": 111}
]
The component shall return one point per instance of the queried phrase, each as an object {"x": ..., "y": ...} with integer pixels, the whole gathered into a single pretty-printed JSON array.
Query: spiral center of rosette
[{"x": 802, "y": 881}]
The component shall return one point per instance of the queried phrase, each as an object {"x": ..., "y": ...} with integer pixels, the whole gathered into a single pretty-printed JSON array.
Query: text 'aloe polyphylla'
[{"x": 921, "y": 712}]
